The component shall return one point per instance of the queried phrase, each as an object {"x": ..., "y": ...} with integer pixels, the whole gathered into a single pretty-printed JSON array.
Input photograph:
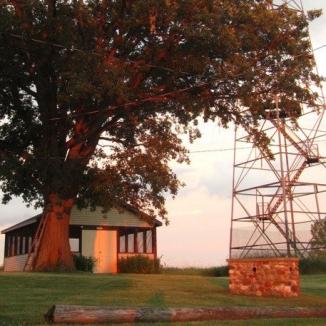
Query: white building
[{"x": 105, "y": 236}]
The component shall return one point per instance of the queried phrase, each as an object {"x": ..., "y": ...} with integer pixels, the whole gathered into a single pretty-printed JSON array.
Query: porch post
[
  {"x": 135, "y": 241},
  {"x": 154, "y": 243},
  {"x": 6, "y": 246}
]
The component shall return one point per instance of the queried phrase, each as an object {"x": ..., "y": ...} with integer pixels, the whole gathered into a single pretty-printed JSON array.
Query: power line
[
  {"x": 134, "y": 103},
  {"x": 137, "y": 101},
  {"x": 214, "y": 150},
  {"x": 217, "y": 150},
  {"x": 319, "y": 48},
  {"x": 73, "y": 48},
  {"x": 131, "y": 103},
  {"x": 144, "y": 100}
]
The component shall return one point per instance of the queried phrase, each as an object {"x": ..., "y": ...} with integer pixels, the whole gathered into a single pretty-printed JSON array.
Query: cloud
[
  {"x": 2, "y": 242},
  {"x": 209, "y": 172},
  {"x": 199, "y": 231},
  {"x": 14, "y": 212}
]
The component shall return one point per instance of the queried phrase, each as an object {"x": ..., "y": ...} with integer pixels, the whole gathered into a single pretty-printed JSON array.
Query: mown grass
[{"x": 25, "y": 297}]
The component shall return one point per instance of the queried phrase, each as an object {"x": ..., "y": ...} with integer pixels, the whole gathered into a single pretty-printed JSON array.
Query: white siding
[
  {"x": 15, "y": 263},
  {"x": 110, "y": 218}
]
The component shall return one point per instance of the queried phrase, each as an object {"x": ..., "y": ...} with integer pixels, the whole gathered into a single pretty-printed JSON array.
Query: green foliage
[
  {"x": 218, "y": 271},
  {"x": 84, "y": 264},
  {"x": 312, "y": 265},
  {"x": 139, "y": 264}
]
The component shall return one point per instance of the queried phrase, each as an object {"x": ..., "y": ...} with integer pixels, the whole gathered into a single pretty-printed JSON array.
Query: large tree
[{"x": 94, "y": 95}]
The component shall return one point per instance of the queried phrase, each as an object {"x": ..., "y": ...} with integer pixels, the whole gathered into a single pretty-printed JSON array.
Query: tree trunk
[{"x": 54, "y": 249}]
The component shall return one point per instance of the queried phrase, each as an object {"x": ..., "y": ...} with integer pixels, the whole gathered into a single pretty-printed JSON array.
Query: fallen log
[{"x": 73, "y": 314}]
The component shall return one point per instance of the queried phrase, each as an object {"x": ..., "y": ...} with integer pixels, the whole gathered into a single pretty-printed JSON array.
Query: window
[
  {"x": 122, "y": 243},
  {"x": 149, "y": 241},
  {"x": 135, "y": 241},
  {"x": 140, "y": 242},
  {"x": 74, "y": 244},
  {"x": 131, "y": 242}
]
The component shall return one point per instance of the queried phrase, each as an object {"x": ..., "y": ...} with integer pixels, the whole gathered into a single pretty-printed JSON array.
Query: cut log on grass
[{"x": 72, "y": 314}]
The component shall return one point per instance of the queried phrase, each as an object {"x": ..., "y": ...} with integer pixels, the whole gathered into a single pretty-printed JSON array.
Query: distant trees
[{"x": 318, "y": 244}]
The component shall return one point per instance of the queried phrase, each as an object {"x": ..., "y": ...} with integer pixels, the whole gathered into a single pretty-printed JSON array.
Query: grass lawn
[{"x": 25, "y": 297}]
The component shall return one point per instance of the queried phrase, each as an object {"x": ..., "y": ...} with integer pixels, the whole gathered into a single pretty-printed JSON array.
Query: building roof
[
  {"x": 21, "y": 224},
  {"x": 36, "y": 218},
  {"x": 143, "y": 215}
]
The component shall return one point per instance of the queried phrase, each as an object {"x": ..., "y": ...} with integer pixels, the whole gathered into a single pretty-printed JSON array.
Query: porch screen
[
  {"x": 149, "y": 241},
  {"x": 136, "y": 241},
  {"x": 122, "y": 244},
  {"x": 140, "y": 242},
  {"x": 131, "y": 242}
]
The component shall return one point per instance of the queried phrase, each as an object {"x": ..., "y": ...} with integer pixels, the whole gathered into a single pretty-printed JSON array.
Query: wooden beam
[
  {"x": 154, "y": 242},
  {"x": 80, "y": 241},
  {"x": 135, "y": 241},
  {"x": 6, "y": 246},
  {"x": 73, "y": 314},
  {"x": 144, "y": 242}
]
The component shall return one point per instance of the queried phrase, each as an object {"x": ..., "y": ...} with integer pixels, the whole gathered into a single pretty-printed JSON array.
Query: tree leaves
[{"x": 94, "y": 95}]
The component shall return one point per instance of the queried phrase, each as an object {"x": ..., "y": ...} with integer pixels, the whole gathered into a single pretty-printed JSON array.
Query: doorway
[{"x": 102, "y": 245}]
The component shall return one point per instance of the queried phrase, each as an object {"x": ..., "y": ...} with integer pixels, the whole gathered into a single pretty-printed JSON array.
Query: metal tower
[{"x": 276, "y": 201}]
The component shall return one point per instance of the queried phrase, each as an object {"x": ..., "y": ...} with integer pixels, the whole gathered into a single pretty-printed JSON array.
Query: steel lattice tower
[{"x": 276, "y": 201}]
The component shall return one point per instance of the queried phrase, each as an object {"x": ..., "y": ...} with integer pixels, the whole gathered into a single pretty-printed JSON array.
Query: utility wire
[
  {"x": 319, "y": 48},
  {"x": 144, "y": 100},
  {"x": 217, "y": 150},
  {"x": 232, "y": 148},
  {"x": 73, "y": 48},
  {"x": 214, "y": 150},
  {"x": 137, "y": 101}
]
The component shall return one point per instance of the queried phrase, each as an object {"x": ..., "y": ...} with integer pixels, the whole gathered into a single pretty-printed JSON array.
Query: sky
[{"x": 198, "y": 233}]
